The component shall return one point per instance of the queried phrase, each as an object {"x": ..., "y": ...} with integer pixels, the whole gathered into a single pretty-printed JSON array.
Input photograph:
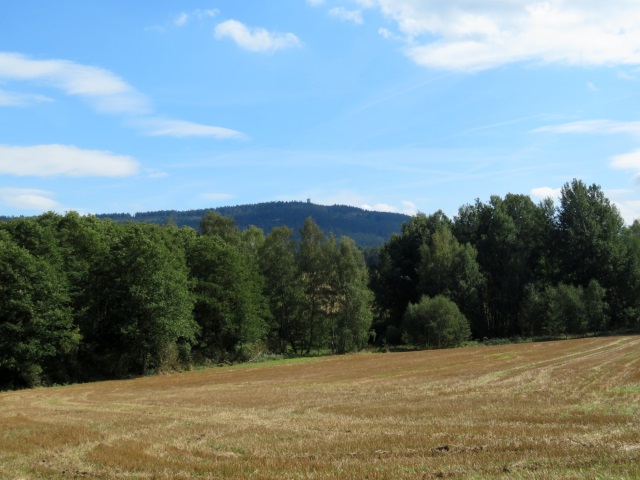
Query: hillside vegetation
[
  {"x": 88, "y": 299},
  {"x": 562, "y": 410},
  {"x": 365, "y": 227}
]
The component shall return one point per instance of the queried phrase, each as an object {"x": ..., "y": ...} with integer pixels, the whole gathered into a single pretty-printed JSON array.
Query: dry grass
[{"x": 544, "y": 410}]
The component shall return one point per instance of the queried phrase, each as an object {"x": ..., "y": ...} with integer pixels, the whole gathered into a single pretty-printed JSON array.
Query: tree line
[
  {"x": 83, "y": 298},
  {"x": 512, "y": 268}
]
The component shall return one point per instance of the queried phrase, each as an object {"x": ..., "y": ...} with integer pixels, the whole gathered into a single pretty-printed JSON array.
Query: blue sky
[{"x": 393, "y": 105}]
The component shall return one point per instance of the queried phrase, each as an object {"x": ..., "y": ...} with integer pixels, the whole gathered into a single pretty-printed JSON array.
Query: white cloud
[
  {"x": 410, "y": 208},
  {"x": 627, "y": 161},
  {"x": 255, "y": 39},
  {"x": 321, "y": 196},
  {"x": 315, "y": 3},
  {"x": 28, "y": 199},
  {"x": 208, "y": 13},
  {"x": 629, "y": 210},
  {"x": 160, "y": 127},
  {"x": 379, "y": 207},
  {"x": 602, "y": 127},
  {"x": 342, "y": 13},
  {"x": 63, "y": 160},
  {"x": 181, "y": 19},
  {"x": 475, "y": 35},
  {"x": 105, "y": 90},
  {"x": 627, "y": 203},
  {"x": 388, "y": 34},
  {"x": 14, "y": 99},
  {"x": 541, "y": 193}
]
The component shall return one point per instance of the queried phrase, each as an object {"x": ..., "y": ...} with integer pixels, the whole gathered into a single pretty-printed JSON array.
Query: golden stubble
[{"x": 567, "y": 409}]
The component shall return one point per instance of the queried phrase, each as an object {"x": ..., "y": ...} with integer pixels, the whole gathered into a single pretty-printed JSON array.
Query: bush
[{"x": 435, "y": 322}]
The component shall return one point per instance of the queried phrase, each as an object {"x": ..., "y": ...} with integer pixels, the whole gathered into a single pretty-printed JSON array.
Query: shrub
[{"x": 435, "y": 322}]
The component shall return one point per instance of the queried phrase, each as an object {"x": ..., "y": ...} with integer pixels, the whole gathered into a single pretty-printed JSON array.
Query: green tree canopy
[
  {"x": 146, "y": 305},
  {"x": 435, "y": 322},
  {"x": 395, "y": 279},
  {"x": 230, "y": 308},
  {"x": 350, "y": 312},
  {"x": 283, "y": 289},
  {"x": 36, "y": 325},
  {"x": 450, "y": 269}
]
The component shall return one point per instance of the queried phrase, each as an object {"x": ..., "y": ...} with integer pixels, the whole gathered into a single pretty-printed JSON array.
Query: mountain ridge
[{"x": 366, "y": 227}]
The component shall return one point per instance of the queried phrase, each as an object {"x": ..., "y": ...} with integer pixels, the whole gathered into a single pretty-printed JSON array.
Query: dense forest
[
  {"x": 366, "y": 228},
  {"x": 83, "y": 298}
]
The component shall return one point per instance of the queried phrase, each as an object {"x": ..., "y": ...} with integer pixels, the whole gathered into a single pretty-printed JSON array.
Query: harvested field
[{"x": 567, "y": 409}]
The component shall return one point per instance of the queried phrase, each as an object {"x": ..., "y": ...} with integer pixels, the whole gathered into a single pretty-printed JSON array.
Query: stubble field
[{"x": 567, "y": 409}]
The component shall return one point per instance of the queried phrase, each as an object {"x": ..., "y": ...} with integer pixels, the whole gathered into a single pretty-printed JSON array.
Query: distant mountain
[{"x": 366, "y": 228}]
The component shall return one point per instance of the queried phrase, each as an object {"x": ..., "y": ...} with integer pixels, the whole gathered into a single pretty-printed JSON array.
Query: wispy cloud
[
  {"x": 155, "y": 173},
  {"x": 484, "y": 34},
  {"x": 162, "y": 127},
  {"x": 628, "y": 161},
  {"x": 626, "y": 76},
  {"x": 15, "y": 99},
  {"x": 64, "y": 160},
  {"x": 28, "y": 199},
  {"x": 106, "y": 91},
  {"x": 388, "y": 34},
  {"x": 342, "y": 13},
  {"x": 183, "y": 18},
  {"x": 410, "y": 208},
  {"x": 315, "y": 3},
  {"x": 255, "y": 39},
  {"x": 601, "y": 127}
]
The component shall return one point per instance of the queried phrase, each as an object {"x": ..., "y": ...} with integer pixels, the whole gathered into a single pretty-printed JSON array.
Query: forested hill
[{"x": 366, "y": 228}]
